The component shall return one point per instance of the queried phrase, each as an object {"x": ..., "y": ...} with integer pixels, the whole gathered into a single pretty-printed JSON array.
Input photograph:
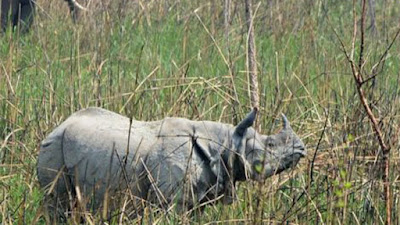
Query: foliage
[{"x": 150, "y": 59}]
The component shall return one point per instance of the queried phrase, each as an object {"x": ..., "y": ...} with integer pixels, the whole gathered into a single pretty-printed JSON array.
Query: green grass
[{"x": 161, "y": 61}]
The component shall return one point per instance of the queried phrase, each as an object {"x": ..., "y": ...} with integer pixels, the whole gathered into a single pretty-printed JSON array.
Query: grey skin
[
  {"x": 174, "y": 161},
  {"x": 21, "y": 13}
]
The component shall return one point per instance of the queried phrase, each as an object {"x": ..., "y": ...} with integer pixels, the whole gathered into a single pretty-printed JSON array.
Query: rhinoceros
[
  {"x": 96, "y": 154},
  {"x": 22, "y": 12}
]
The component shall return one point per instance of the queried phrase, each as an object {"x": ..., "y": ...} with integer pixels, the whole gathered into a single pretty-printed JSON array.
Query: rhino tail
[{"x": 50, "y": 166}]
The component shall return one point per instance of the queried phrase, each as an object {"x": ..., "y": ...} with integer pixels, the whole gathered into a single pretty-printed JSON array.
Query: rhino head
[{"x": 265, "y": 155}]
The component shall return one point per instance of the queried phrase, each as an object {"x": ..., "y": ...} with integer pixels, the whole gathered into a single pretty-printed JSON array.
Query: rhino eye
[{"x": 271, "y": 144}]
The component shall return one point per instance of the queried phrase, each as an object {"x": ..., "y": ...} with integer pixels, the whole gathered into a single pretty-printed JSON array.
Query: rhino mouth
[{"x": 302, "y": 152}]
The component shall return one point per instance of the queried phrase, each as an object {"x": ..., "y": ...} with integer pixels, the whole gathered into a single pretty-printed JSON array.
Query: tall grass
[{"x": 151, "y": 59}]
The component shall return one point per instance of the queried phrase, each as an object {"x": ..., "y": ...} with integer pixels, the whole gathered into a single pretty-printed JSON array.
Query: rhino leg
[
  {"x": 25, "y": 15},
  {"x": 73, "y": 9},
  {"x": 6, "y": 6}
]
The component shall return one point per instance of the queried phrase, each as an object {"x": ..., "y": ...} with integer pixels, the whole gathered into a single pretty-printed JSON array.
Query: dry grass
[{"x": 151, "y": 59}]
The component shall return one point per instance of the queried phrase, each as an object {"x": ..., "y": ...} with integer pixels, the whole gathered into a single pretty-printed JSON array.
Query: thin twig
[
  {"x": 383, "y": 57},
  {"x": 361, "y": 60}
]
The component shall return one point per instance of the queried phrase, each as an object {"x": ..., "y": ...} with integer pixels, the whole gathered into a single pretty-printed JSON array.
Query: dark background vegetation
[{"x": 151, "y": 59}]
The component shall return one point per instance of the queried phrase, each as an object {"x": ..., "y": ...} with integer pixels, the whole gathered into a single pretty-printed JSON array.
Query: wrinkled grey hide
[{"x": 173, "y": 160}]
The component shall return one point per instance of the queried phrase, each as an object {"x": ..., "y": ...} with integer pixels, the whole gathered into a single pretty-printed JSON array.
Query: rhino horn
[{"x": 285, "y": 123}]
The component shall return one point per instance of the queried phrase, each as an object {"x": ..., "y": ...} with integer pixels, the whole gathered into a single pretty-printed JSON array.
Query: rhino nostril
[{"x": 300, "y": 147}]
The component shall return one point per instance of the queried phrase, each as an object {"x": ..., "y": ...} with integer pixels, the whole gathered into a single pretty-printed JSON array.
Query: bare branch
[
  {"x": 383, "y": 57},
  {"x": 251, "y": 54},
  {"x": 361, "y": 60},
  {"x": 358, "y": 78},
  {"x": 353, "y": 42}
]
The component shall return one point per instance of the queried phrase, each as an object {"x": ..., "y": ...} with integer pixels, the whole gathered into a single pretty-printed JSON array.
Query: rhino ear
[
  {"x": 246, "y": 123},
  {"x": 238, "y": 135}
]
